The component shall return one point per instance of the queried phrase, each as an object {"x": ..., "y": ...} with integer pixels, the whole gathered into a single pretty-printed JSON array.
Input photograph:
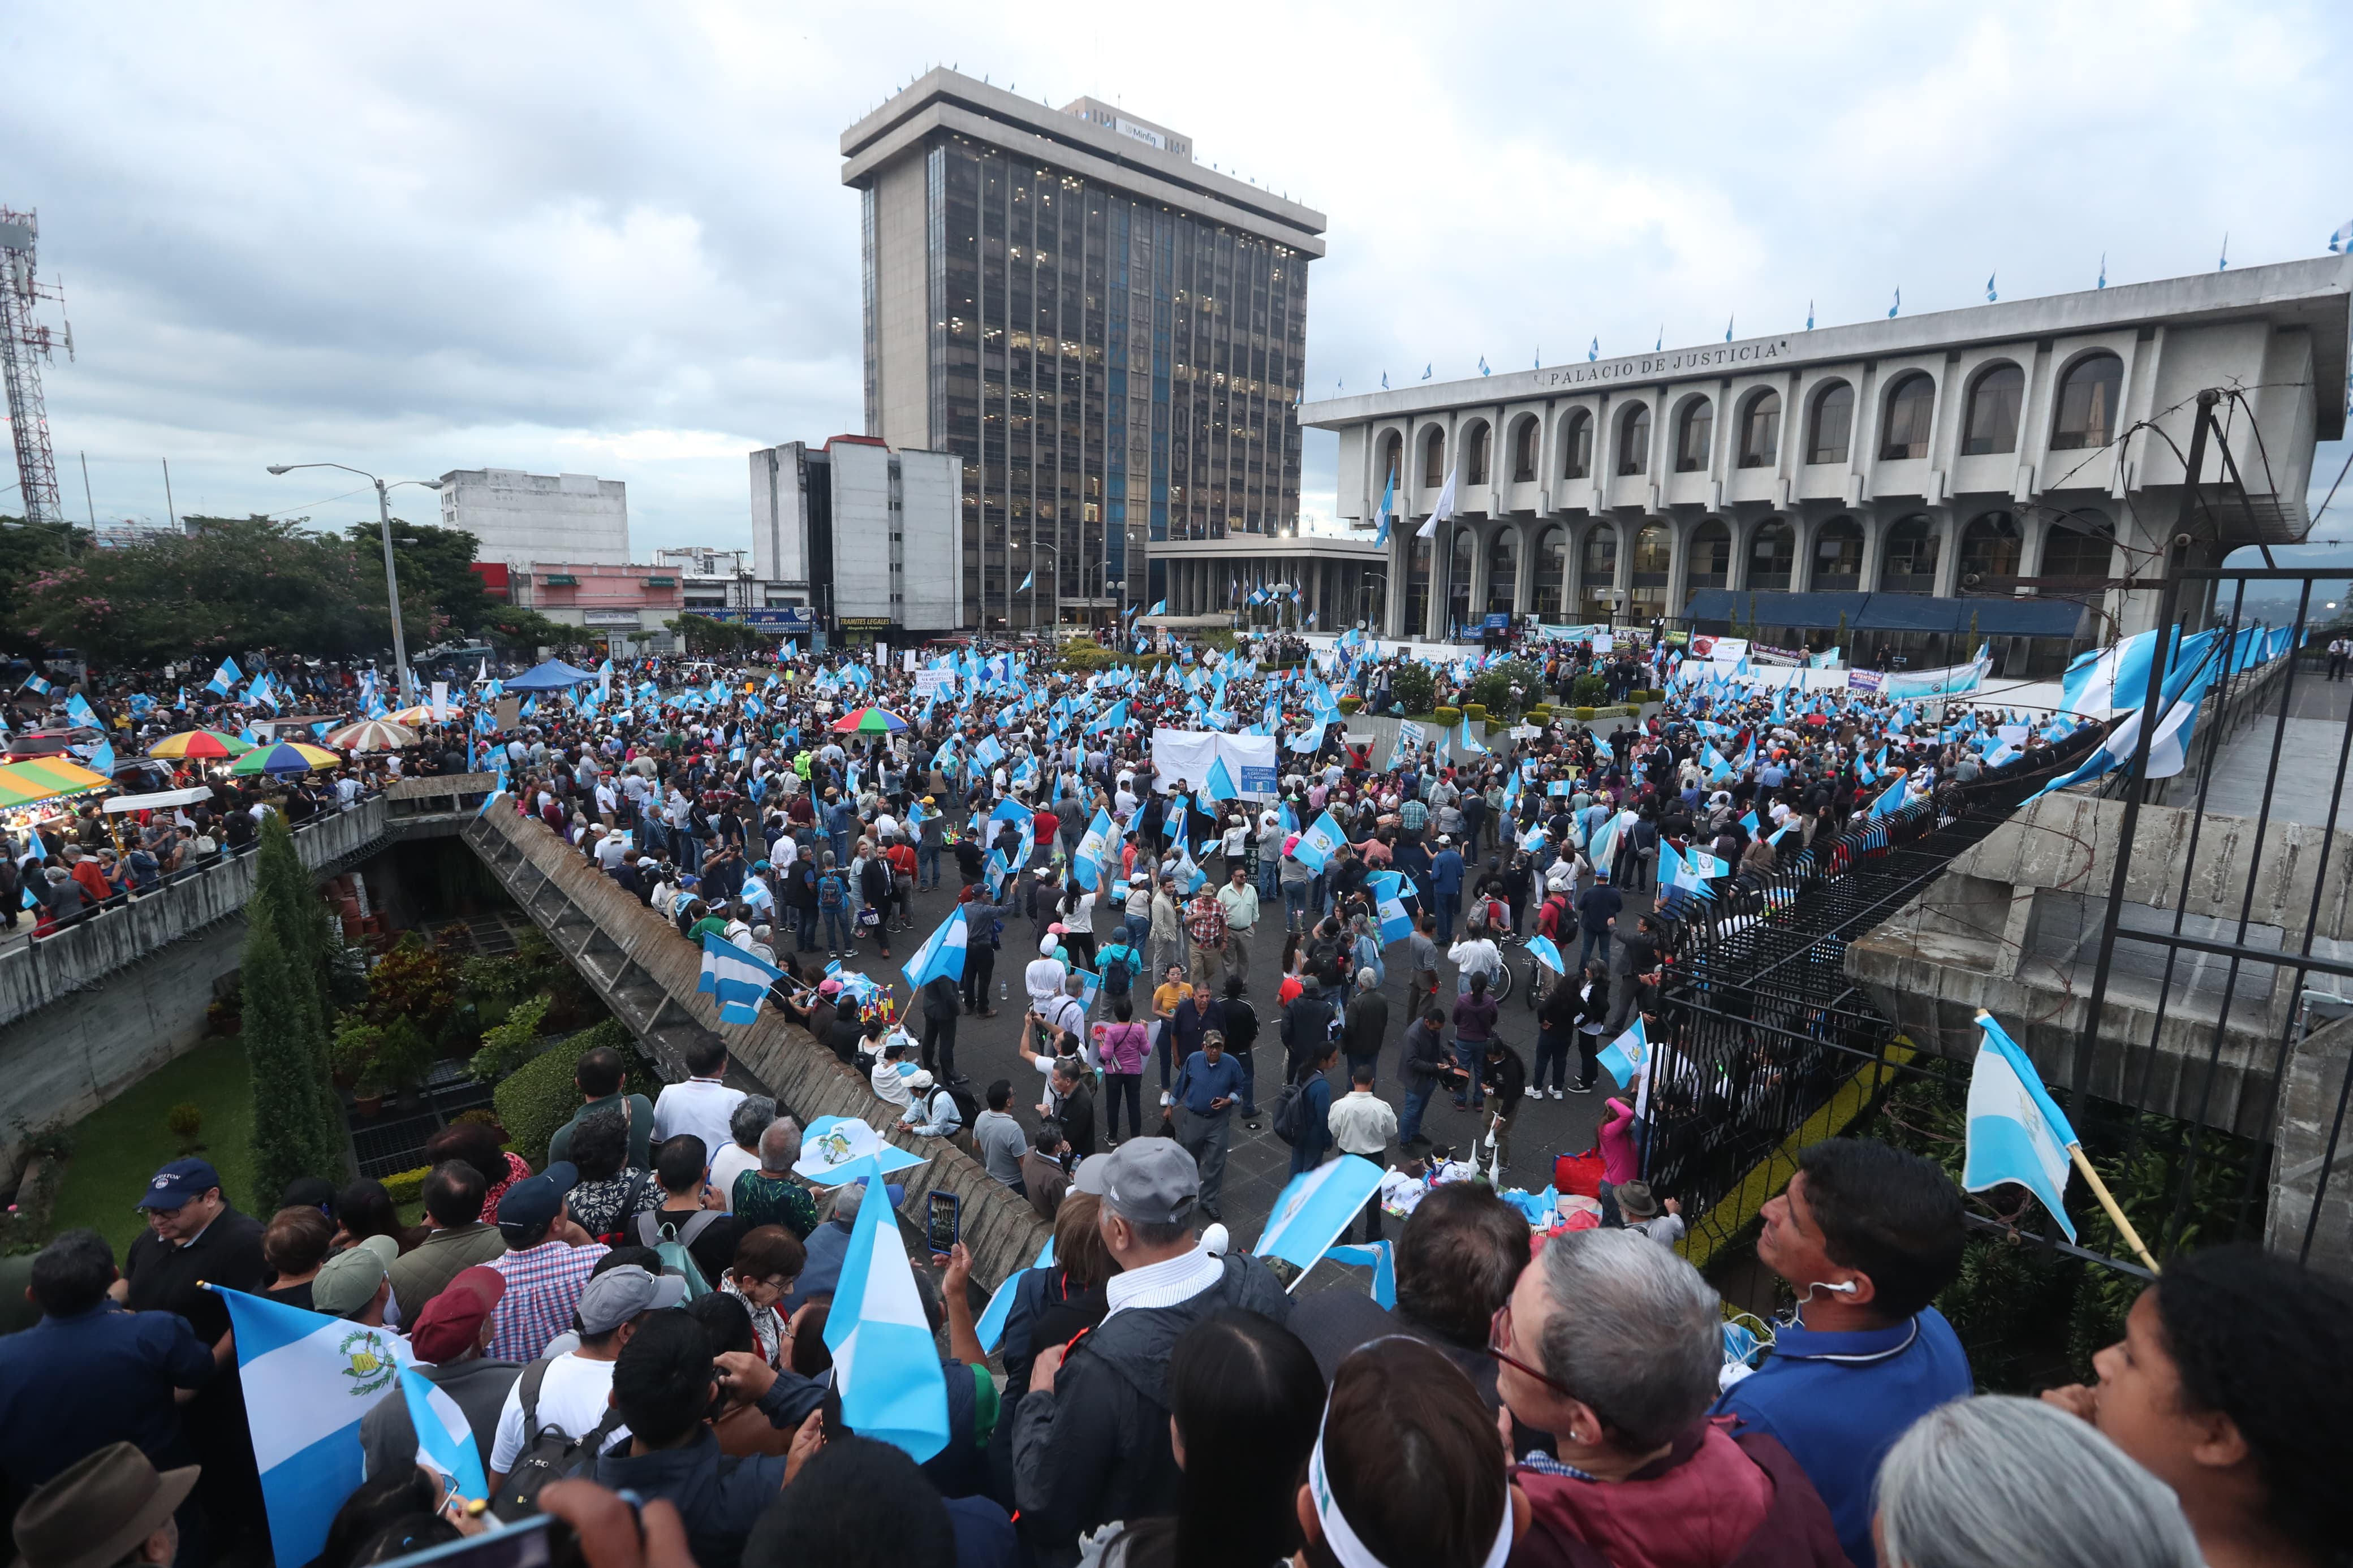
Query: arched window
[
  {"x": 1597, "y": 572},
  {"x": 1989, "y": 546},
  {"x": 1910, "y": 405},
  {"x": 1760, "y": 431},
  {"x": 2080, "y": 544},
  {"x": 1458, "y": 580},
  {"x": 1711, "y": 555},
  {"x": 1503, "y": 571},
  {"x": 1694, "y": 433},
  {"x": 1577, "y": 447},
  {"x": 1634, "y": 440},
  {"x": 1417, "y": 589},
  {"x": 1646, "y": 596},
  {"x": 1524, "y": 451},
  {"x": 1392, "y": 461},
  {"x": 2088, "y": 403},
  {"x": 1838, "y": 557},
  {"x": 1433, "y": 458},
  {"x": 1833, "y": 425},
  {"x": 1909, "y": 564},
  {"x": 1474, "y": 454},
  {"x": 1552, "y": 574},
  {"x": 1772, "y": 552},
  {"x": 1994, "y": 400}
]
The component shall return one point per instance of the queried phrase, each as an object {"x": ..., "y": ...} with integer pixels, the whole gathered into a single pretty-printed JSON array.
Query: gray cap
[
  {"x": 1151, "y": 1181},
  {"x": 1089, "y": 1175},
  {"x": 347, "y": 1282},
  {"x": 614, "y": 1297}
]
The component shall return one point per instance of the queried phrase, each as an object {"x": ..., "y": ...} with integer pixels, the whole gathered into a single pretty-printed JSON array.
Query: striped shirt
[{"x": 544, "y": 1286}]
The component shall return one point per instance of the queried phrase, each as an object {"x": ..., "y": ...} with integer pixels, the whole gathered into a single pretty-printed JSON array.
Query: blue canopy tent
[{"x": 554, "y": 676}]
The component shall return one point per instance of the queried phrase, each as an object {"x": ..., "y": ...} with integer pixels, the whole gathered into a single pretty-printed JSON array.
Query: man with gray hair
[
  {"x": 1610, "y": 1342},
  {"x": 771, "y": 1194},
  {"x": 745, "y": 1123}
]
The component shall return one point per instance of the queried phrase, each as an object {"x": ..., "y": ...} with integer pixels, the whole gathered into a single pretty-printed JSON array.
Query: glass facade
[{"x": 1113, "y": 370}]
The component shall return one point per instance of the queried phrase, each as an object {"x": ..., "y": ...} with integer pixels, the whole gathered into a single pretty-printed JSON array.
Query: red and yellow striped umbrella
[{"x": 191, "y": 743}]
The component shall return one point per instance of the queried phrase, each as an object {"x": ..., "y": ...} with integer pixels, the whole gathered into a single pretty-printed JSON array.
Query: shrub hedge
[{"x": 538, "y": 1097}]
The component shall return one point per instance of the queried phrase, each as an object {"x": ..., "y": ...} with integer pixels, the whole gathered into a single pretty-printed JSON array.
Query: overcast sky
[{"x": 613, "y": 238}]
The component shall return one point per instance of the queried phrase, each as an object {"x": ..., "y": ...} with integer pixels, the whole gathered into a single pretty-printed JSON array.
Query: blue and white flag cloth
[
  {"x": 308, "y": 1380},
  {"x": 78, "y": 710},
  {"x": 2015, "y": 1132},
  {"x": 1319, "y": 843},
  {"x": 1315, "y": 1208},
  {"x": 1112, "y": 718},
  {"x": 1382, "y": 1257},
  {"x": 1628, "y": 1057},
  {"x": 226, "y": 678},
  {"x": 990, "y": 1328},
  {"x": 1542, "y": 949},
  {"x": 885, "y": 1361},
  {"x": 1467, "y": 744},
  {"x": 36, "y": 685},
  {"x": 445, "y": 1438},
  {"x": 738, "y": 979},
  {"x": 1219, "y": 784},
  {"x": 942, "y": 952},
  {"x": 1094, "y": 848},
  {"x": 101, "y": 760}
]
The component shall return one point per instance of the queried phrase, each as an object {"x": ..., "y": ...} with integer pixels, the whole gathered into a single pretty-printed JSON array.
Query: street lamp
[
  {"x": 391, "y": 577},
  {"x": 1057, "y": 554}
]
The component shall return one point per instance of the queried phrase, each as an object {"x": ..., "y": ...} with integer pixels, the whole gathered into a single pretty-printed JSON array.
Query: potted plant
[{"x": 403, "y": 1058}]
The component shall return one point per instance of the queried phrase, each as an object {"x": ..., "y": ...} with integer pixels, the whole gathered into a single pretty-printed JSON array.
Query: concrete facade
[
  {"x": 1948, "y": 453},
  {"x": 520, "y": 518},
  {"x": 865, "y": 537},
  {"x": 1341, "y": 580},
  {"x": 1111, "y": 337}
]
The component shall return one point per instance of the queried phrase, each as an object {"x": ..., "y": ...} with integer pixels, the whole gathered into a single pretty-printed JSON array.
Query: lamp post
[
  {"x": 391, "y": 576},
  {"x": 1057, "y": 554}
]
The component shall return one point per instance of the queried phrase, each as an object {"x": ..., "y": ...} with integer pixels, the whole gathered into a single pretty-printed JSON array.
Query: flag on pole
[
  {"x": 942, "y": 952},
  {"x": 37, "y": 685},
  {"x": 1444, "y": 510},
  {"x": 1095, "y": 844},
  {"x": 1628, "y": 1057},
  {"x": 738, "y": 979},
  {"x": 885, "y": 1361},
  {"x": 226, "y": 678},
  {"x": 1219, "y": 784},
  {"x": 1543, "y": 951},
  {"x": 1388, "y": 498},
  {"x": 1319, "y": 843},
  {"x": 1026, "y": 581},
  {"x": 990, "y": 1328},
  {"x": 1382, "y": 1257},
  {"x": 1898, "y": 305},
  {"x": 308, "y": 1380},
  {"x": 1315, "y": 1208},
  {"x": 2015, "y": 1133},
  {"x": 445, "y": 1438}
]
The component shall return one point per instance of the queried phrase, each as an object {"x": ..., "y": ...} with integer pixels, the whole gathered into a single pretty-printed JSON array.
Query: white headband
[{"x": 1343, "y": 1541}]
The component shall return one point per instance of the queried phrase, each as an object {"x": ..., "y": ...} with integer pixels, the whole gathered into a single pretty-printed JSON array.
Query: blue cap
[{"x": 178, "y": 1181}]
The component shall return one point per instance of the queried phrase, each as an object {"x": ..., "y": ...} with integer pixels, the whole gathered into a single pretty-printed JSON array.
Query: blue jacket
[
  {"x": 1446, "y": 871},
  {"x": 70, "y": 1386},
  {"x": 1838, "y": 1402}
]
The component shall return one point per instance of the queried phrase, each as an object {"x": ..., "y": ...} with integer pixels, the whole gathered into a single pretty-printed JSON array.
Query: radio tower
[{"x": 23, "y": 345}]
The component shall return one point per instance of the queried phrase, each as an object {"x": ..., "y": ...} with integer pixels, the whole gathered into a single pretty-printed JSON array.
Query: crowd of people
[{"x": 646, "y": 1313}]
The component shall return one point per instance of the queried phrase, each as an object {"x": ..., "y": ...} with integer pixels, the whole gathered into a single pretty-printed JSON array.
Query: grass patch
[{"x": 119, "y": 1146}]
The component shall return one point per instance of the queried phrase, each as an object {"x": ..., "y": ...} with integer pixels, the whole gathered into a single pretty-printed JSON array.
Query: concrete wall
[
  {"x": 647, "y": 974},
  {"x": 2310, "y": 1099},
  {"x": 863, "y": 523},
  {"x": 930, "y": 524},
  {"x": 521, "y": 518}
]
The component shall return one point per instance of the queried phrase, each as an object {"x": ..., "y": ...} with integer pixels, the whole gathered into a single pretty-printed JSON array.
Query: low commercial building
[
  {"x": 867, "y": 540},
  {"x": 1917, "y": 481},
  {"x": 518, "y": 518},
  {"x": 627, "y": 607}
]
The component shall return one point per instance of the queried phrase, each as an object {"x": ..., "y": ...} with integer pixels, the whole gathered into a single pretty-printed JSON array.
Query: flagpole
[{"x": 2108, "y": 1203}]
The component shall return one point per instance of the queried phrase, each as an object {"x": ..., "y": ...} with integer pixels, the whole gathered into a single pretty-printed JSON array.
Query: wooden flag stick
[{"x": 2108, "y": 1202}]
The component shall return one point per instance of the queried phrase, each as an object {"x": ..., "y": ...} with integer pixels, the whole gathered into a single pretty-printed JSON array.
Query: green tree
[
  {"x": 512, "y": 625},
  {"x": 703, "y": 635},
  {"x": 297, "y": 1122},
  {"x": 436, "y": 567},
  {"x": 28, "y": 553}
]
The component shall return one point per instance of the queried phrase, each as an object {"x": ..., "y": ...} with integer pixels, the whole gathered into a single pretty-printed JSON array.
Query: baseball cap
[
  {"x": 614, "y": 1297},
  {"x": 178, "y": 1181},
  {"x": 537, "y": 1200},
  {"x": 1088, "y": 1178},
  {"x": 1151, "y": 1181},
  {"x": 447, "y": 1326},
  {"x": 347, "y": 1281}
]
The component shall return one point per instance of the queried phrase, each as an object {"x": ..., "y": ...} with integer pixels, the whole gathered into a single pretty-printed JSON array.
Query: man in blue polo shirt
[{"x": 1866, "y": 1235}]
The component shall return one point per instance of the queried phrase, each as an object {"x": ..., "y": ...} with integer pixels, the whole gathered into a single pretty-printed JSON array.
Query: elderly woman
[
  {"x": 767, "y": 1261},
  {"x": 772, "y": 1195},
  {"x": 744, "y": 1124},
  {"x": 1997, "y": 1483},
  {"x": 1612, "y": 1343},
  {"x": 611, "y": 1190}
]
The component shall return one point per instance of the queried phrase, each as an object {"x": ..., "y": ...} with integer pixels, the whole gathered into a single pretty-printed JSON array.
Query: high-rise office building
[{"x": 1109, "y": 335}]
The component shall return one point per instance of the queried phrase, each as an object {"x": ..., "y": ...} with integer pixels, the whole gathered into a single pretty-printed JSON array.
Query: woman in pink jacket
[
  {"x": 1122, "y": 1046},
  {"x": 1620, "y": 1160}
]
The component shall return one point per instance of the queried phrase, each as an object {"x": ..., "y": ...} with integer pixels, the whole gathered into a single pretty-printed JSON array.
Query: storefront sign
[{"x": 609, "y": 618}]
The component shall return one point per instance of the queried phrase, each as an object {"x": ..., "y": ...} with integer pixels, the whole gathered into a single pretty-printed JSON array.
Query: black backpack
[
  {"x": 547, "y": 1454},
  {"x": 1290, "y": 1117},
  {"x": 1116, "y": 976}
]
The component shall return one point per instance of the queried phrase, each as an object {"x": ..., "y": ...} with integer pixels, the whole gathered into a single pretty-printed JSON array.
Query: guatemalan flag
[
  {"x": 308, "y": 1380},
  {"x": 1315, "y": 1208},
  {"x": 942, "y": 952},
  {"x": 1628, "y": 1057},
  {"x": 1319, "y": 843},
  {"x": 2016, "y": 1133},
  {"x": 737, "y": 978},
  {"x": 884, "y": 1361},
  {"x": 1095, "y": 844},
  {"x": 224, "y": 679},
  {"x": 1219, "y": 785}
]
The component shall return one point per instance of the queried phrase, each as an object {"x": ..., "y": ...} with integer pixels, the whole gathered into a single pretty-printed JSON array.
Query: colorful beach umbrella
[
  {"x": 870, "y": 722},
  {"x": 371, "y": 735},
  {"x": 43, "y": 777},
  {"x": 192, "y": 743},
  {"x": 281, "y": 757},
  {"x": 423, "y": 713}
]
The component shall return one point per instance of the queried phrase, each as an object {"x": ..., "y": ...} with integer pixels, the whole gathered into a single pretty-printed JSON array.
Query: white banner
[{"x": 1186, "y": 754}]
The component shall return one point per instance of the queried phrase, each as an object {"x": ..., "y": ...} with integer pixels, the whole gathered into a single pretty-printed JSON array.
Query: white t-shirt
[
  {"x": 729, "y": 1163},
  {"x": 574, "y": 1398}
]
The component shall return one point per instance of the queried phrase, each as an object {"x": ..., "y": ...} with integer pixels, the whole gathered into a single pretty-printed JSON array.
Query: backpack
[
  {"x": 670, "y": 1240},
  {"x": 1117, "y": 972},
  {"x": 832, "y": 892},
  {"x": 547, "y": 1452},
  {"x": 1290, "y": 1118}
]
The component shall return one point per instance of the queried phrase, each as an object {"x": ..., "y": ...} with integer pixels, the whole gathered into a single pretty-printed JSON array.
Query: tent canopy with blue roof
[{"x": 554, "y": 676}]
